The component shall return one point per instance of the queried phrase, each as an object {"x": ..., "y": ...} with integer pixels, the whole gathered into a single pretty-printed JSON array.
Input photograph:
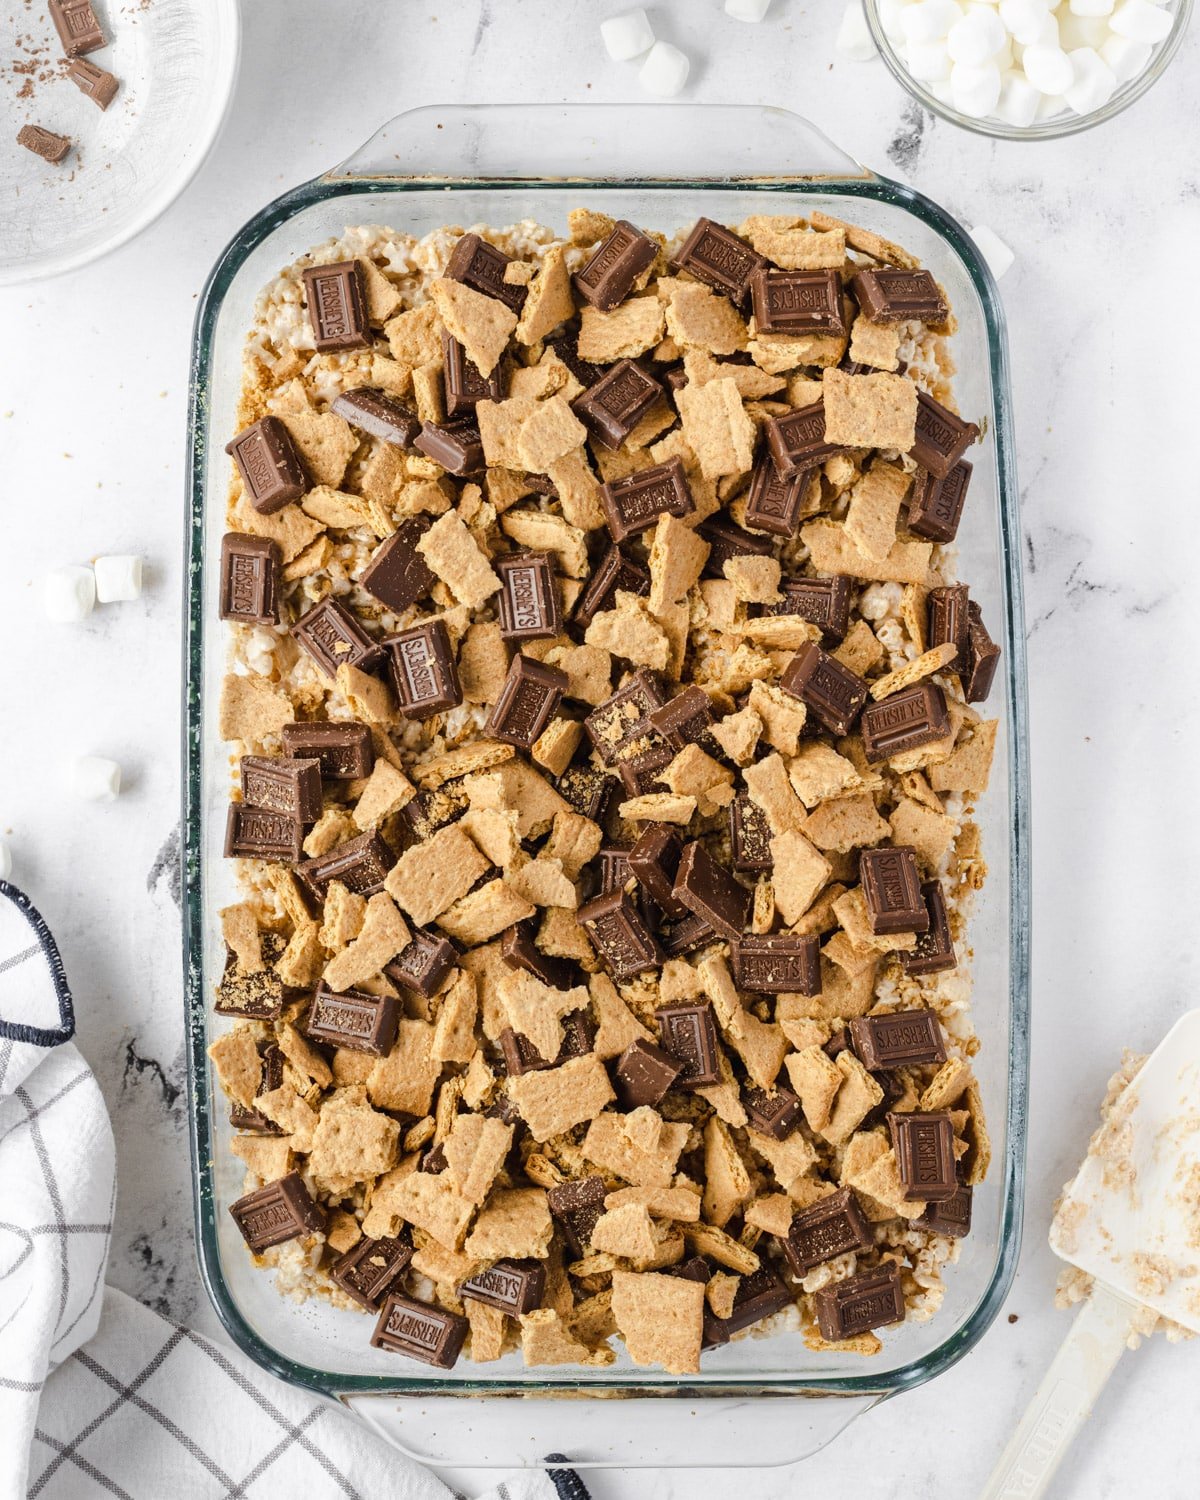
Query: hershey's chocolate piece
[
  {"x": 531, "y": 693},
  {"x": 906, "y": 720},
  {"x": 683, "y": 936},
  {"x": 902, "y": 1039},
  {"x": 891, "y": 887},
  {"x": 797, "y": 439},
  {"x": 513, "y": 1286},
  {"x": 686, "y": 719},
  {"x": 344, "y": 750},
  {"x": 587, "y": 789},
  {"x": 620, "y": 934},
  {"x": 379, "y": 415},
  {"x": 427, "y": 1333},
  {"x": 716, "y": 255},
  {"x": 566, "y": 346},
  {"x": 398, "y": 574},
  {"x": 760, "y": 1294},
  {"x": 776, "y": 1113},
  {"x": 952, "y": 1216},
  {"x": 634, "y": 504},
  {"x": 887, "y": 294},
  {"x": 279, "y": 1211},
  {"x": 982, "y": 659},
  {"x": 333, "y": 637},
  {"x": 935, "y": 948},
  {"x": 948, "y": 622},
  {"x": 336, "y": 297},
  {"x": 434, "y": 1161},
  {"x": 99, "y": 86},
  {"x": 257, "y": 997},
  {"x": 458, "y": 449},
  {"x": 643, "y": 1074},
  {"x": 726, "y": 539},
  {"x": 846, "y": 1309},
  {"x": 369, "y": 1270},
  {"x": 283, "y": 785},
  {"x": 354, "y": 1020},
  {"x": 924, "y": 1147},
  {"x": 709, "y": 890},
  {"x": 623, "y": 720},
  {"x": 823, "y": 601},
  {"x": 695, "y": 1268},
  {"x": 529, "y": 603},
  {"x": 774, "y": 500},
  {"x": 619, "y": 260},
  {"x": 935, "y": 506},
  {"x": 361, "y": 864},
  {"x": 259, "y": 833},
  {"x": 45, "y": 143},
  {"x": 613, "y": 407},
  {"x": 614, "y": 571},
  {"x": 797, "y": 302},
  {"x": 654, "y": 860},
  {"x": 942, "y": 438},
  {"x": 615, "y": 873},
  {"x": 519, "y": 951},
  {"x": 577, "y": 1206},
  {"x": 424, "y": 814},
  {"x": 481, "y": 267},
  {"x": 833, "y": 694},
  {"x": 832, "y": 1226},
  {"x": 640, "y": 774},
  {"x": 749, "y": 836},
  {"x": 269, "y": 463},
  {"x": 462, "y": 383},
  {"x": 423, "y": 672},
  {"x": 254, "y": 1120},
  {"x": 777, "y": 963},
  {"x": 422, "y": 963},
  {"x": 77, "y": 26},
  {"x": 689, "y": 1034},
  {"x": 250, "y": 567}
]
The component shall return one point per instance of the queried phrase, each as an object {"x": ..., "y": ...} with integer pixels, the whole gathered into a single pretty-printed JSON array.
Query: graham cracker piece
[
  {"x": 454, "y": 555},
  {"x": 679, "y": 1203},
  {"x": 481, "y": 324},
  {"x": 540, "y": 531},
  {"x": 875, "y": 508},
  {"x": 866, "y": 1344},
  {"x": 333, "y": 827},
  {"x": 629, "y": 329},
  {"x": 482, "y": 662},
  {"x": 552, "y": 1100},
  {"x": 431, "y": 876},
  {"x": 238, "y": 1066},
  {"x": 800, "y": 870},
  {"x": 925, "y": 665},
  {"x": 851, "y": 909},
  {"x": 489, "y": 1331},
  {"x": 618, "y": 1027},
  {"x": 716, "y": 428},
  {"x": 282, "y": 881},
  {"x": 760, "y": 1045},
  {"x": 835, "y": 551},
  {"x": 845, "y": 823},
  {"x": 543, "y": 882},
  {"x": 677, "y": 555},
  {"x": 326, "y": 443},
  {"x": 546, "y": 1339},
  {"x": 707, "y": 1239},
  {"x": 789, "y": 243},
  {"x": 549, "y": 301},
  {"x": 630, "y": 631},
  {"x": 694, "y": 773},
  {"x": 978, "y": 1139},
  {"x": 386, "y": 792},
  {"x": 368, "y": 698},
  {"x": 661, "y": 1319},
  {"x": 699, "y": 319},
  {"x": 495, "y": 832},
  {"x": 781, "y": 714},
  {"x": 726, "y": 1180},
  {"x": 301, "y": 962},
  {"x": 816, "y": 1081},
  {"x": 429, "y": 392},
  {"x": 791, "y": 1160},
  {"x": 555, "y": 747},
  {"x": 588, "y": 669},
  {"x": 484, "y": 913},
  {"x": 625, "y": 1231},
  {"x": 517, "y": 786},
  {"x": 610, "y": 1144},
  {"x": 578, "y": 490},
  {"x": 290, "y": 527},
  {"x": 869, "y": 411},
  {"x": 753, "y": 384},
  {"x": 778, "y": 353},
  {"x": 239, "y": 928},
  {"x": 390, "y": 375},
  {"x": 314, "y": 557},
  {"x": 500, "y": 424},
  {"x": 818, "y": 772},
  {"x": 268, "y": 1157},
  {"x": 875, "y": 344},
  {"x": 574, "y": 841},
  {"x": 454, "y": 1031},
  {"x": 384, "y": 933},
  {"x": 930, "y": 833},
  {"x": 342, "y": 916},
  {"x": 464, "y": 760},
  {"x": 404, "y": 1080},
  {"x": 659, "y": 807},
  {"x": 589, "y": 225},
  {"x": 867, "y": 241},
  {"x": 550, "y": 432},
  {"x": 251, "y": 709},
  {"x": 536, "y": 1010},
  {"x": 857, "y": 1097},
  {"x": 861, "y": 651},
  {"x": 475, "y": 1150},
  {"x": 769, "y": 788},
  {"x": 383, "y": 300},
  {"x": 414, "y": 337},
  {"x": 515, "y": 1223},
  {"x": 434, "y": 1204},
  {"x": 869, "y": 1167},
  {"x": 337, "y": 509},
  {"x": 969, "y": 765},
  {"x": 755, "y": 579},
  {"x": 352, "y": 1141},
  {"x": 772, "y": 1213},
  {"x": 948, "y": 1084},
  {"x": 304, "y": 1057},
  {"x": 294, "y": 1116},
  {"x": 738, "y": 735}
]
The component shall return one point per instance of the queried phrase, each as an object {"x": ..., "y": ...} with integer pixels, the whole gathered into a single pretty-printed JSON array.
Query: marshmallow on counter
[
  {"x": 665, "y": 70},
  {"x": 854, "y": 39},
  {"x": 118, "y": 578},
  {"x": 746, "y": 10},
  {"x": 5, "y": 861},
  {"x": 69, "y": 595},
  {"x": 993, "y": 249},
  {"x": 94, "y": 779},
  {"x": 628, "y": 35}
]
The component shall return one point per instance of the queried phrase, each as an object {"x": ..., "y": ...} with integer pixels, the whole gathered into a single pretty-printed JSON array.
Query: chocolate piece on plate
[
  {"x": 269, "y": 463},
  {"x": 942, "y": 438},
  {"x": 250, "y": 567},
  {"x": 344, "y": 749},
  {"x": 924, "y": 1147},
  {"x": 834, "y": 1225},
  {"x": 620, "y": 934},
  {"x": 709, "y": 890},
  {"x": 625, "y": 717},
  {"x": 77, "y": 26},
  {"x": 686, "y": 719},
  {"x": 99, "y": 86},
  {"x": 775, "y": 1113},
  {"x": 717, "y": 256},
  {"x": 935, "y": 948},
  {"x": 949, "y": 621},
  {"x": 758, "y": 1296},
  {"x": 427, "y": 1333},
  {"x": 906, "y": 720},
  {"x": 528, "y": 598},
  {"x": 777, "y": 963},
  {"x": 519, "y": 951},
  {"x": 797, "y": 439},
  {"x": 983, "y": 657},
  {"x": 797, "y": 302},
  {"x": 643, "y": 1074},
  {"x": 887, "y": 294},
  {"x": 901, "y": 1039},
  {"x": 774, "y": 500},
  {"x": 891, "y": 887},
  {"x": 634, "y": 504},
  {"x": 619, "y": 260},
  {"x": 935, "y": 506},
  {"x": 47, "y": 144},
  {"x": 727, "y": 539},
  {"x": 283, "y": 785},
  {"x": 614, "y": 571},
  {"x": 398, "y": 574},
  {"x": 464, "y": 386},
  {"x": 333, "y": 637},
  {"x": 458, "y": 449},
  {"x": 577, "y": 1206},
  {"x": 682, "y": 937},
  {"x": 952, "y": 1216},
  {"x": 259, "y": 833},
  {"x": 422, "y": 963},
  {"x": 280, "y": 1211},
  {"x": 822, "y": 601},
  {"x": 832, "y": 693},
  {"x": 846, "y": 1309},
  {"x": 379, "y": 415},
  {"x": 531, "y": 693},
  {"x": 481, "y": 267},
  {"x": 336, "y": 297},
  {"x": 423, "y": 672},
  {"x": 689, "y": 1034},
  {"x": 353, "y": 1020},
  {"x": 361, "y": 864},
  {"x": 512, "y": 1286},
  {"x": 749, "y": 836},
  {"x": 369, "y": 1270},
  {"x": 654, "y": 860},
  {"x": 613, "y": 407},
  {"x": 256, "y": 997}
]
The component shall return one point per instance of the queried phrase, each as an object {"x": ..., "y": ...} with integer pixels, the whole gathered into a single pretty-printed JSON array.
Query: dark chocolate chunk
[
  {"x": 520, "y": 1055},
  {"x": 333, "y": 637},
  {"x": 983, "y": 657},
  {"x": 846, "y": 1309},
  {"x": 370, "y": 1270},
  {"x": 906, "y": 720},
  {"x": 254, "y": 1120},
  {"x": 398, "y": 574},
  {"x": 891, "y": 887},
  {"x": 423, "y": 672},
  {"x": 586, "y": 789},
  {"x": 935, "y": 505},
  {"x": 643, "y": 1074},
  {"x": 615, "y": 873},
  {"x": 422, "y": 815},
  {"x": 336, "y": 297},
  {"x": 283, "y": 785},
  {"x": 269, "y": 463},
  {"x": 902, "y": 1039},
  {"x": 99, "y": 86},
  {"x": 577, "y": 1206},
  {"x": 464, "y": 386},
  {"x": 951, "y": 1216},
  {"x": 613, "y": 407},
  {"x": 654, "y": 860},
  {"x": 77, "y": 26},
  {"x": 758, "y": 1296},
  {"x": 749, "y": 836},
  {"x": 726, "y": 539},
  {"x": 935, "y": 948},
  {"x": 512, "y": 1286},
  {"x": 641, "y": 774},
  {"x": 344, "y": 750},
  {"x": 797, "y": 302},
  {"x": 949, "y": 621},
  {"x": 250, "y": 567},
  {"x": 835, "y": 1225},
  {"x": 797, "y": 439},
  {"x": 259, "y": 996},
  {"x": 621, "y": 723},
  {"x": 924, "y": 1147},
  {"x": 529, "y": 604},
  {"x": 459, "y": 450},
  {"x": 715, "y": 255},
  {"x": 683, "y": 936},
  {"x": 833, "y": 694},
  {"x": 614, "y": 571},
  {"x": 709, "y": 890},
  {"x": 775, "y": 1113},
  {"x": 887, "y": 294},
  {"x": 689, "y": 1034},
  {"x": 45, "y": 143},
  {"x": 379, "y": 415},
  {"x": 422, "y": 963},
  {"x": 775, "y": 501},
  {"x": 258, "y": 833},
  {"x": 481, "y": 267},
  {"x": 519, "y": 951},
  {"x": 619, "y": 260},
  {"x": 353, "y": 1020},
  {"x": 686, "y": 720},
  {"x": 279, "y": 1211},
  {"x": 566, "y": 346},
  {"x": 531, "y": 693},
  {"x": 777, "y": 963},
  {"x": 822, "y": 601},
  {"x": 620, "y": 934},
  {"x": 942, "y": 438},
  {"x": 695, "y": 1268},
  {"x": 634, "y": 504},
  {"x": 361, "y": 864},
  {"x": 427, "y": 1333}
]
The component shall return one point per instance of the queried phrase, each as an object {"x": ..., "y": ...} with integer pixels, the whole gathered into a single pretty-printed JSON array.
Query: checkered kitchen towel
[{"x": 99, "y": 1395}]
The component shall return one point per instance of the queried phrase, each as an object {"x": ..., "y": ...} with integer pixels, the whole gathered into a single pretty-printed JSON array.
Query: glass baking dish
[{"x": 663, "y": 166}]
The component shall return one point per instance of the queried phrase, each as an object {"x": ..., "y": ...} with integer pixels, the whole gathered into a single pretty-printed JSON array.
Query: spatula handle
[{"x": 1065, "y": 1398}]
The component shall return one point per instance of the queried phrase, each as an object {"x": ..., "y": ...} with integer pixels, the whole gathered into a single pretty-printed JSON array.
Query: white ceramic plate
[{"x": 177, "y": 62}]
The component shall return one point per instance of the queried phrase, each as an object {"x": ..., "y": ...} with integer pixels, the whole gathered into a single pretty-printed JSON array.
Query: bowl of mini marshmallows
[{"x": 1027, "y": 69}]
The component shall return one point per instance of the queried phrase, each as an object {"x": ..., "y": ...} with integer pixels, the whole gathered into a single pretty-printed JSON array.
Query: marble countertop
[{"x": 93, "y": 385}]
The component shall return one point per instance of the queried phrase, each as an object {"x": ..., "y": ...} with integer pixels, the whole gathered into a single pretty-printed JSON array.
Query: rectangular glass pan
[{"x": 661, "y": 166}]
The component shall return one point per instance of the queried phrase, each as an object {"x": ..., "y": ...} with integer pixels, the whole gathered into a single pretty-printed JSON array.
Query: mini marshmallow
[
  {"x": 1018, "y": 100},
  {"x": 94, "y": 779},
  {"x": 627, "y": 35},
  {"x": 1082, "y": 31},
  {"x": 854, "y": 38},
  {"x": 746, "y": 10},
  {"x": 1026, "y": 20},
  {"x": 1094, "y": 84},
  {"x": 1050, "y": 105},
  {"x": 1048, "y": 69},
  {"x": 928, "y": 62},
  {"x": 975, "y": 88},
  {"x": 69, "y": 595},
  {"x": 976, "y": 38},
  {"x": 1126, "y": 58},
  {"x": 665, "y": 70},
  {"x": 1092, "y": 7},
  {"x": 993, "y": 249},
  {"x": 5, "y": 861},
  {"x": 929, "y": 20},
  {"x": 890, "y": 13},
  {"x": 118, "y": 578},
  {"x": 1141, "y": 22}
]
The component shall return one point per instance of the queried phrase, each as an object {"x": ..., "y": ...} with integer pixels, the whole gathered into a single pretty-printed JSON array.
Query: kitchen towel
[{"x": 99, "y": 1395}]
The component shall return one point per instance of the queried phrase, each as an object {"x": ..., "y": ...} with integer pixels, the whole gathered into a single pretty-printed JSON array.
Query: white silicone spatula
[{"x": 1132, "y": 1221}]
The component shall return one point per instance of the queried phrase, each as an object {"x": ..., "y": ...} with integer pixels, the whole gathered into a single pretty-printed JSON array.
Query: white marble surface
[{"x": 93, "y": 374}]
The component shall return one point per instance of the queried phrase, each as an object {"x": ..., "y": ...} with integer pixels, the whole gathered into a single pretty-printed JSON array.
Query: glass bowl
[{"x": 1068, "y": 123}]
